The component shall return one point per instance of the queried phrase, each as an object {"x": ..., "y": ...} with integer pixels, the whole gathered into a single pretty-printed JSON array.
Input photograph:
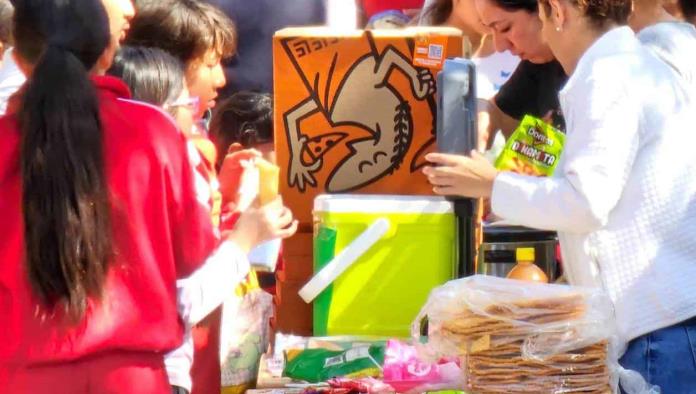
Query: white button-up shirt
[{"x": 623, "y": 198}]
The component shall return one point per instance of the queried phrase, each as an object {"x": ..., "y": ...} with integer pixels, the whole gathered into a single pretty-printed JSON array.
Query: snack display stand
[{"x": 378, "y": 255}]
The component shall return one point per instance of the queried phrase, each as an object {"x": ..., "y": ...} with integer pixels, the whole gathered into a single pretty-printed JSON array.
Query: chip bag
[{"x": 533, "y": 149}]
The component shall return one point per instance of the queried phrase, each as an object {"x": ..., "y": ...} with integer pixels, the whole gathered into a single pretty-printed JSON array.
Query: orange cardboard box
[
  {"x": 292, "y": 314},
  {"x": 299, "y": 244},
  {"x": 355, "y": 111}
]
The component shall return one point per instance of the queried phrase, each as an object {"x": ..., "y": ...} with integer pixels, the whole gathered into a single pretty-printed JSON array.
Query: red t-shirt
[
  {"x": 160, "y": 233},
  {"x": 372, "y": 7}
]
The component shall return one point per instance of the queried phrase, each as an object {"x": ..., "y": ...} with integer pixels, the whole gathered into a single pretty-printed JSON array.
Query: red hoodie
[
  {"x": 160, "y": 233},
  {"x": 373, "y": 7}
]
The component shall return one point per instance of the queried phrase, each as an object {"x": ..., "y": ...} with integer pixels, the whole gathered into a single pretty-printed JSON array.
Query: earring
[{"x": 558, "y": 28}]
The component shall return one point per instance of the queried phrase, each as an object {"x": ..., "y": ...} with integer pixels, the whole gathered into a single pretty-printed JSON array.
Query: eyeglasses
[{"x": 189, "y": 102}]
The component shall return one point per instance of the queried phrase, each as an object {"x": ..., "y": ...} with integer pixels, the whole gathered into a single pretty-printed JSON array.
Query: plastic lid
[
  {"x": 351, "y": 203},
  {"x": 524, "y": 254}
]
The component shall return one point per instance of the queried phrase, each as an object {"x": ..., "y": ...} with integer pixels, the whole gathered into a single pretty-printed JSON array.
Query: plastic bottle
[{"x": 525, "y": 269}]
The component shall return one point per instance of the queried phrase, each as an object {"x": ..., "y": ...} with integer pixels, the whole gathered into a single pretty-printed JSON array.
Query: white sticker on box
[
  {"x": 358, "y": 352},
  {"x": 336, "y": 360}
]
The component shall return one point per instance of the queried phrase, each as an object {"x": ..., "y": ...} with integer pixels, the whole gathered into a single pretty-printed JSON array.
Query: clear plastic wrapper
[
  {"x": 244, "y": 337},
  {"x": 522, "y": 337}
]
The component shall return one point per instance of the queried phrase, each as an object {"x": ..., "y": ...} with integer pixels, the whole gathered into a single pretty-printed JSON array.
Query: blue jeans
[{"x": 666, "y": 357}]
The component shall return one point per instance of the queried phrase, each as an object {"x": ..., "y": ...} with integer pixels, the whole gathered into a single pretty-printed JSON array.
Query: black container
[
  {"x": 457, "y": 133},
  {"x": 497, "y": 254}
]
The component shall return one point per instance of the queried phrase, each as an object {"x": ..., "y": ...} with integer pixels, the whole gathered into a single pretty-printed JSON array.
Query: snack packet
[
  {"x": 243, "y": 177},
  {"x": 533, "y": 149},
  {"x": 320, "y": 365},
  {"x": 268, "y": 180}
]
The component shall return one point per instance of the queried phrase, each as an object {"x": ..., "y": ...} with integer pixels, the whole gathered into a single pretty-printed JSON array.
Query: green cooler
[{"x": 382, "y": 291}]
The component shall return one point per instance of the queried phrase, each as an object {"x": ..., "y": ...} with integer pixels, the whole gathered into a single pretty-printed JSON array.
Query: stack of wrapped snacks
[{"x": 520, "y": 337}]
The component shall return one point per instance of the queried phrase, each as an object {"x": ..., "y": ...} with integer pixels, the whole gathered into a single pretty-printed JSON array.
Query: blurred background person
[
  {"x": 671, "y": 39},
  {"x": 119, "y": 12},
  {"x": 252, "y": 66},
  {"x": 493, "y": 68}
]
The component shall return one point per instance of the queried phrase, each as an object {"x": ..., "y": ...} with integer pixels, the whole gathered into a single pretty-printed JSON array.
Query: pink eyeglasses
[{"x": 189, "y": 102}]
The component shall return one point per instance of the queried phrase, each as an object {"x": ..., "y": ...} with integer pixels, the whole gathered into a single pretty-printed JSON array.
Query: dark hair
[
  {"x": 186, "y": 29},
  {"x": 65, "y": 202},
  {"x": 438, "y": 12},
  {"x": 245, "y": 118},
  {"x": 6, "y": 10},
  {"x": 688, "y": 8},
  {"x": 517, "y": 5},
  {"x": 153, "y": 75},
  {"x": 600, "y": 12}
]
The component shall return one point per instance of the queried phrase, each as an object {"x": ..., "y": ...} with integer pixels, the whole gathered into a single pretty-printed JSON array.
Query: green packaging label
[{"x": 533, "y": 149}]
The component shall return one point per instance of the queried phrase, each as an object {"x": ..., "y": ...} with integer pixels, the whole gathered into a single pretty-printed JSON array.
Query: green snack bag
[
  {"x": 320, "y": 365},
  {"x": 533, "y": 149}
]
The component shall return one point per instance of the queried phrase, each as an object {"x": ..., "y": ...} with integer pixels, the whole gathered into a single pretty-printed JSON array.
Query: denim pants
[{"x": 666, "y": 357}]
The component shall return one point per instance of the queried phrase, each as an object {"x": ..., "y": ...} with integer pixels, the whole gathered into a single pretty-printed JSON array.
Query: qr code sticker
[{"x": 434, "y": 51}]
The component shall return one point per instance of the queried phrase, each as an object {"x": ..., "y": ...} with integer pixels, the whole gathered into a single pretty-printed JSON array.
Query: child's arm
[{"x": 199, "y": 294}]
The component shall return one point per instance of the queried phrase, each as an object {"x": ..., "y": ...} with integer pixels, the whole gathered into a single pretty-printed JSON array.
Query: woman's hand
[
  {"x": 456, "y": 175},
  {"x": 257, "y": 225}
]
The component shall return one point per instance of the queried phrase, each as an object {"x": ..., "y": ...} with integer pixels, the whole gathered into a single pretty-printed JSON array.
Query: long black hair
[
  {"x": 517, "y": 5},
  {"x": 153, "y": 75},
  {"x": 65, "y": 202}
]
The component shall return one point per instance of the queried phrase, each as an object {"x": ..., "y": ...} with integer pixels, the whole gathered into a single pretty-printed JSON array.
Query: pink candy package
[{"x": 405, "y": 372}]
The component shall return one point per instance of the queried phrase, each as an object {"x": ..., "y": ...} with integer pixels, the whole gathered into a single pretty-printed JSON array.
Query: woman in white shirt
[{"x": 623, "y": 198}]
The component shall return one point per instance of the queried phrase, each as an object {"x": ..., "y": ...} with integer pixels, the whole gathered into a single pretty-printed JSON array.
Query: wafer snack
[{"x": 519, "y": 337}]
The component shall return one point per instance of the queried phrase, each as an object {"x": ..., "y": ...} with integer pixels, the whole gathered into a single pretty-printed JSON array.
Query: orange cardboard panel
[{"x": 355, "y": 112}]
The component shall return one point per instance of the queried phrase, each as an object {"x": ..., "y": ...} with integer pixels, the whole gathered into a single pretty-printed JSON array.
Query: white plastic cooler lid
[{"x": 349, "y": 203}]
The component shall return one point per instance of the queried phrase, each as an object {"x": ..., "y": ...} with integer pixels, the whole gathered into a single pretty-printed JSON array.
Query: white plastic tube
[{"x": 342, "y": 261}]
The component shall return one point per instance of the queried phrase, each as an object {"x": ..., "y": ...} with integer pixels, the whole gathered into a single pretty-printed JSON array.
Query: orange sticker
[{"x": 430, "y": 51}]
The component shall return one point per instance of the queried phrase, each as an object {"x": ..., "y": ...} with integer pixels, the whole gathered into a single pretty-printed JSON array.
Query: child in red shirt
[
  {"x": 199, "y": 35},
  {"x": 100, "y": 217}
]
